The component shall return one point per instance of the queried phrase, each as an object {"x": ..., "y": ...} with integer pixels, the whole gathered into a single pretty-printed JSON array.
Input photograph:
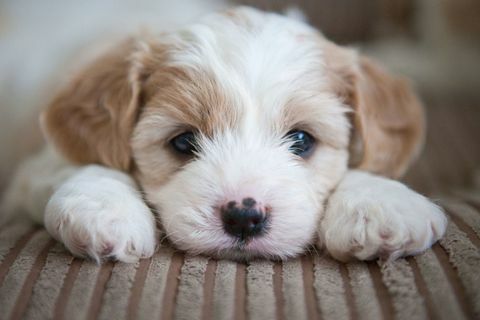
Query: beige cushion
[{"x": 40, "y": 280}]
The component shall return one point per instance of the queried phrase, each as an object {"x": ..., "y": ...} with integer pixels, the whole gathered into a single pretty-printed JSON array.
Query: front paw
[
  {"x": 107, "y": 223},
  {"x": 378, "y": 217}
]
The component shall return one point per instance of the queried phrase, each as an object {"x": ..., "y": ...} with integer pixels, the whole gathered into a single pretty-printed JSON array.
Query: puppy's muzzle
[{"x": 246, "y": 219}]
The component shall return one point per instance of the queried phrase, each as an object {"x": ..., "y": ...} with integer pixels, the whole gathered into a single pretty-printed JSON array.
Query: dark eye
[
  {"x": 184, "y": 143},
  {"x": 303, "y": 143}
]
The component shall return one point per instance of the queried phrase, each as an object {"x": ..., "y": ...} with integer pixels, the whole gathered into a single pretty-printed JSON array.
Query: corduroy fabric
[{"x": 42, "y": 281}]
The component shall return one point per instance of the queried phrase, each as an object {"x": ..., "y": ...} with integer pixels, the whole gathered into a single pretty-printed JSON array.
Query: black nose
[{"x": 243, "y": 220}]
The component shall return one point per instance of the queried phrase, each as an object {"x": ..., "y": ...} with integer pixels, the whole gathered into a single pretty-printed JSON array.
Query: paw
[
  {"x": 372, "y": 217},
  {"x": 101, "y": 218}
]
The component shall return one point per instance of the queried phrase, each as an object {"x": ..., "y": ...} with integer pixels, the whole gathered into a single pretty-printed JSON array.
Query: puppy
[{"x": 245, "y": 135}]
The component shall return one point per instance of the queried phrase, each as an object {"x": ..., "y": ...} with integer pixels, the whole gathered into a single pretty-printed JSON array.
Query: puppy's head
[{"x": 237, "y": 128}]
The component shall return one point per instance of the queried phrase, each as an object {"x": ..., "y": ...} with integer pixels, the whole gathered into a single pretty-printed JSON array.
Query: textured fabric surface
[{"x": 40, "y": 280}]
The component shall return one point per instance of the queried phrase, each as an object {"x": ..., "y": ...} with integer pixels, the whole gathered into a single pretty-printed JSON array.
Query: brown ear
[
  {"x": 388, "y": 124},
  {"x": 91, "y": 120}
]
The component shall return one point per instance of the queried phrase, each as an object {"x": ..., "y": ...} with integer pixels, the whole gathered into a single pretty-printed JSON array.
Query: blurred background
[{"x": 435, "y": 43}]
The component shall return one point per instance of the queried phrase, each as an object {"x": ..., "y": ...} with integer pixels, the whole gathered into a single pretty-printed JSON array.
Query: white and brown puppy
[{"x": 248, "y": 134}]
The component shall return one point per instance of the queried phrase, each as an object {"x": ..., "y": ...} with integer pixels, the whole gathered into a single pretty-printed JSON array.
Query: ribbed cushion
[{"x": 40, "y": 280}]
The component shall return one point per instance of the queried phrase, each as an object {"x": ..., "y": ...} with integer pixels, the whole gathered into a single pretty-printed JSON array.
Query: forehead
[
  {"x": 243, "y": 68},
  {"x": 253, "y": 52}
]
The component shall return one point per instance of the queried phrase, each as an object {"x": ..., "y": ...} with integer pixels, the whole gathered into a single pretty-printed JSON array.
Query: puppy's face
[
  {"x": 241, "y": 139},
  {"x": 236, "y": 128}
]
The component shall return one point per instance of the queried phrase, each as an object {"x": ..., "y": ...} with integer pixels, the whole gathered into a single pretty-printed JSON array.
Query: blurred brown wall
[{"x": 349, "y": 20}]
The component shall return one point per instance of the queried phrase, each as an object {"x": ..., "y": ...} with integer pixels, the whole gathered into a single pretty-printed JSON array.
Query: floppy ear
[
  {"x": 388, "y": 124},
  {"x": 92, "y": 118}
]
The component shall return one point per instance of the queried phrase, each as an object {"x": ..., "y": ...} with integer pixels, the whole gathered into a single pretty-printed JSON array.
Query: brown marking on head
[
  {"x": 193, "y": 98},
  {"x": 176, "y": 99},
  {"x": 388, "y": 120}
]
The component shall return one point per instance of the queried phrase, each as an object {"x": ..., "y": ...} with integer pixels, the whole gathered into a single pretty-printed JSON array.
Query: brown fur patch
[
  {"x": 91, "y": 120},
  {"x": 192, "y": 98},
  {"x": 388, "y": 120}
]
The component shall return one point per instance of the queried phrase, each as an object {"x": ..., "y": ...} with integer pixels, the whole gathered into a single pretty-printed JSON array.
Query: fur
[{"x": 241, "y": 80}]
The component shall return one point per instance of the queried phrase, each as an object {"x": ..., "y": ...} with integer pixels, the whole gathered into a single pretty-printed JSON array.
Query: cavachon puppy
[{"x": 247, "y": 134}]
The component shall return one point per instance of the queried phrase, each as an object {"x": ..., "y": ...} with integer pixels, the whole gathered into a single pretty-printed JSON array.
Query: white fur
[
  {"x": 225, "y": 172},
  {"x": 99, "y": 213},
  {"x": 370, "y": 216}
]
